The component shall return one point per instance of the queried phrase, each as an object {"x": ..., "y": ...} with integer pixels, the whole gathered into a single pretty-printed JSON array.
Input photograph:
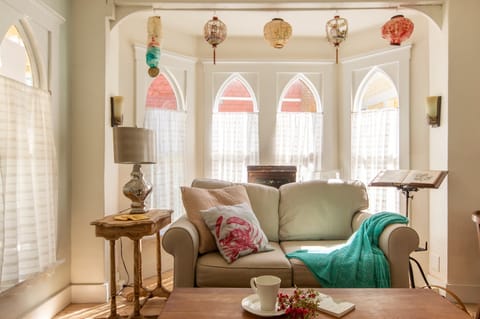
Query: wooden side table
[{"x": 112, "y": 229}]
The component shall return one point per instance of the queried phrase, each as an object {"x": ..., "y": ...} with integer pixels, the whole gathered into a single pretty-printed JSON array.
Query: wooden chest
[{"x": 271, "y": 175}]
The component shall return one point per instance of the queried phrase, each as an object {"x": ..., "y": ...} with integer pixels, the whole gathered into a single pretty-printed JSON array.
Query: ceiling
[
  {"x": 250, "y": 23},
  {"x": 246, "y": 19}
]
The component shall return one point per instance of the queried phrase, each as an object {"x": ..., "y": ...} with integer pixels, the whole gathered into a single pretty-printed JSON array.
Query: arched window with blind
[
  {"x": 299, "y": 128},
  {"x": 28, "y": 164},
  {"x": 375, "y": 136},
  {"x": 234, "y": 130},
  {"x": 165, "y": 114}
]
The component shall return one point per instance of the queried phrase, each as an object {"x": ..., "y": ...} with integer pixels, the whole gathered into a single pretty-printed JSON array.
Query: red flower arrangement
[{"x": 303, "y": 304}]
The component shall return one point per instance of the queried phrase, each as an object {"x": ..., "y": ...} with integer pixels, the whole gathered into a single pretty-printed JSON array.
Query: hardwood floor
[{"x": 150, "y": 310}]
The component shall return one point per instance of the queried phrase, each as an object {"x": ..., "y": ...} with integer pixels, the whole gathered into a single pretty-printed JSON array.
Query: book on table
[
  {"x": 412, "y": 178},
  {"x": 335, "y": 308}
]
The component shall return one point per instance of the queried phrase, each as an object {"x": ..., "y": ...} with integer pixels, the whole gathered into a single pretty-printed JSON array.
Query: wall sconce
[
  {"x": 432, "y": 109},
  {"x": 116, "y": 110}
]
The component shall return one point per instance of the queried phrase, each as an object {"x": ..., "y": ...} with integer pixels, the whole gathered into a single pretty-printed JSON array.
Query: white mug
[{"x": 266, "y": 287}]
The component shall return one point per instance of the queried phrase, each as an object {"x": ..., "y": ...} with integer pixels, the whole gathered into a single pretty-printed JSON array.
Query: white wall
[{"x": 463, "y": 150}]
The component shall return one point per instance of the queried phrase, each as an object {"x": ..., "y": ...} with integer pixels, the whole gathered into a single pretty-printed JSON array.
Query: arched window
[
  {"x": 299, "y": 128},
  {"x": 15, "y": 63},
  {"x": 160, "y": 94},
  {"x": 28, "y": 167},
  {"x": 375, "y": 136},
  {"x": 164, "y": 114},
  {"x": 234, "y": 130}
]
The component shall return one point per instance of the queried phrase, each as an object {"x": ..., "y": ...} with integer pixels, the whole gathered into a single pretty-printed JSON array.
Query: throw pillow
[
  {"x": 236, "y": 230},
  {"x": 197, "y": 199}
]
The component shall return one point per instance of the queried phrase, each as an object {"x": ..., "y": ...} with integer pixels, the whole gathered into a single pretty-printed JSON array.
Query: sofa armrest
[
  {"x": 358, "y": 218},
  {"x": 397, "y": 242},
  {"x": 181, "y": 240}
]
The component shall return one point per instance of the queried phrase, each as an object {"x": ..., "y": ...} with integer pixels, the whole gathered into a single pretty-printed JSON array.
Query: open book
[
  {"x": 414, "y": 178},
  {"x": 335, "y": 308}
]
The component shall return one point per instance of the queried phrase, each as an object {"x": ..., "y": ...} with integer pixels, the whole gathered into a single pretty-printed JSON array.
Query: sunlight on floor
[{"x": 150, "y": 310}]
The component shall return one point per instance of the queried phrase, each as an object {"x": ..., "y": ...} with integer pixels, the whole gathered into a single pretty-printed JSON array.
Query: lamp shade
[{"x": 134, "y": 145}]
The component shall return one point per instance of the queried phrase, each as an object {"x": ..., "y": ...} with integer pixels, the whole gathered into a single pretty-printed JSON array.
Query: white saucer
[{"x": 252, "y": 305}]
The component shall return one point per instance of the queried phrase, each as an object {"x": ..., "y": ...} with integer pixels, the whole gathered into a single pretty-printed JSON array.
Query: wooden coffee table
[{"x": 225, "y": 303}]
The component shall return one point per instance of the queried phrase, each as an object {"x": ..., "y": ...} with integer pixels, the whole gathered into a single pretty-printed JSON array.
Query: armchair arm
[
  {"x": 181, "y": 240},
  {"x": 397, "y": 241}
]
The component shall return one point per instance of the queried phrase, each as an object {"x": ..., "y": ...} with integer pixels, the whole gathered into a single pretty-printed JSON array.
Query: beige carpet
[{"x": 150, "y": 310}]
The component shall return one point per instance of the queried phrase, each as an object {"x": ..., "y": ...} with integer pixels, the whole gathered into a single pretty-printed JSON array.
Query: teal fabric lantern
[{"x": 154, "y": 29}]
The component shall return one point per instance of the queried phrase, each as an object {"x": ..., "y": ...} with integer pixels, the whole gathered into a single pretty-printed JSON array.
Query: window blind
[{"x": 28, "y": 182}]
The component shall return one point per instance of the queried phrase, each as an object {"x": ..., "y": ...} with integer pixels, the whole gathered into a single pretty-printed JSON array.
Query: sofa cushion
[
  {"x": 319, "y": 210},
  {"x": 236, "y": 230},
  {"x": 213, "y": 271},
  {"x": 197, "y": 199},
  {"x": 302, "y": 276},
  {"x": 264, "y": 201}
]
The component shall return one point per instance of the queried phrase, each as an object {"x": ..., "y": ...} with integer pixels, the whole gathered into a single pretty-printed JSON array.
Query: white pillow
[{"x": 236, "y": 230}]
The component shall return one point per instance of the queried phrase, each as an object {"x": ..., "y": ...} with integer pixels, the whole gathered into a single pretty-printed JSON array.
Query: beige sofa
[{"x": 297, "y": 215}]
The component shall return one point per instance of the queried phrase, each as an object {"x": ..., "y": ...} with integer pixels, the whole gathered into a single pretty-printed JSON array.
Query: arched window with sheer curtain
[
  {"x": 299, "y": 128},
  {"x": 375, "y": 136},
  {"x": 234, "y": 130},
  {"x": 165, "y": 114},
  {"x": 28, "y": 164}
]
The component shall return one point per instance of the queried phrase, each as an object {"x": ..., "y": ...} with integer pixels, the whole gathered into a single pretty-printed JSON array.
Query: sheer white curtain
[
  {"x": 28, "y": 182},
  {"x": 375, "y": 144},
  {"x": 234, "y": 144},
  {"x": 167, "y": 175},
  {"x": 298, "y": 141}
]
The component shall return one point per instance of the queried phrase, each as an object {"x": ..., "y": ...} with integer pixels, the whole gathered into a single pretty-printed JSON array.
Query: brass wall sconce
[
  {"x": 116, "y": 110},
  {"x": 432, "y": 108}
]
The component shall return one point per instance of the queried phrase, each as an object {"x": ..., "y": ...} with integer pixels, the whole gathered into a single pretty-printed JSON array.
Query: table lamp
[{"x": 134, "y": 145}]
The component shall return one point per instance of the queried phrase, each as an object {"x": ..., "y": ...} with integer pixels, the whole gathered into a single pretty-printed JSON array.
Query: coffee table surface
[{"x": 211, "y": 303}]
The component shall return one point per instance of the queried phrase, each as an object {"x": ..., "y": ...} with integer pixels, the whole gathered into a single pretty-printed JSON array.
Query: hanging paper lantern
[
  {"x": 397, "y": 29},
  {"x": 337, "y": 30},
  {"x": 154, "y": 30},
  {"x": 214, "y": 32},
  {"x": 277, "y": 32}
]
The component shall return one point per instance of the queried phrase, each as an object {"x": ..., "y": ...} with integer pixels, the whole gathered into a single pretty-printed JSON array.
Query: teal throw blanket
[{"x": 358, "y": 264}]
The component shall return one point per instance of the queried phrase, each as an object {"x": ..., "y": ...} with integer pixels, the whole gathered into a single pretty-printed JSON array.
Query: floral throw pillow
[{"x": 236, "y": 231}]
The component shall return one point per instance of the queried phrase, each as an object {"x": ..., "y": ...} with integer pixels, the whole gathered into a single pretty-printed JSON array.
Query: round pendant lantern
[
  {"x": 154, "y": 31},
  {"x": 337, "y": 30},
  {"x": 277, "y": 32},
  {"x": 397, "y": 29},
  {"x": 214, "y": 32}
]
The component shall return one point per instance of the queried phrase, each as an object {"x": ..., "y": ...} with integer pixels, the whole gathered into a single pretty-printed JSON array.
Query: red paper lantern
[{"x": 397, "y": 29}]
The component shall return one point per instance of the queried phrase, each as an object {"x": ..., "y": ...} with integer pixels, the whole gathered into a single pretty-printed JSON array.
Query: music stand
[{"x": 408, "y": 181}]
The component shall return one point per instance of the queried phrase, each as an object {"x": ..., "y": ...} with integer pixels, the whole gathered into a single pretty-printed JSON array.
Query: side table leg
[
  {"x": 137, "y": 257},
  {"x": 113, "y": 283},
  {"x": 159, "y": 291}
]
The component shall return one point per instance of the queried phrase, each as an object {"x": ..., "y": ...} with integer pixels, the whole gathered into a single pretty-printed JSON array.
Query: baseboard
[
  {"x": 466, "y": 293},
  {"x": 90, "y": 293},
  {"x": 52, "y": 306}
]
